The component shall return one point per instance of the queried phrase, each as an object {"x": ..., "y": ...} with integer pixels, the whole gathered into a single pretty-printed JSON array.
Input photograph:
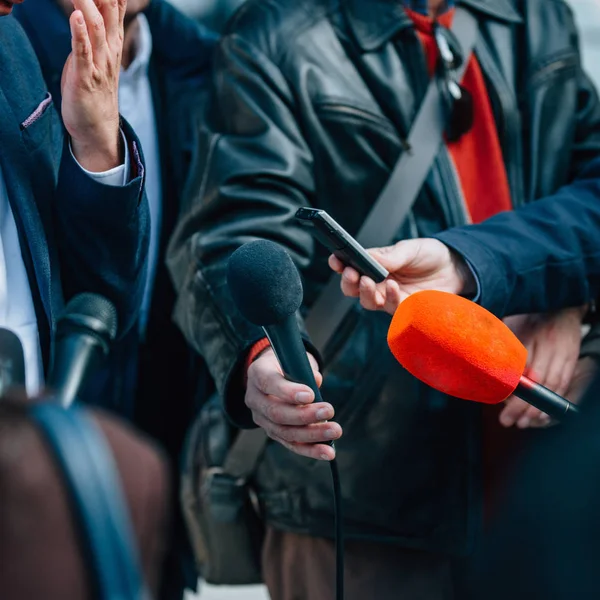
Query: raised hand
[{"x": 90, "y": 83}]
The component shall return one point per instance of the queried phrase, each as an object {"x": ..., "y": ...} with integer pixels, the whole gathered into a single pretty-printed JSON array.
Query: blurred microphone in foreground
[
  {"x": 12, "y": 362},
  {"x": 462, "y": 350},
  {"x": 84, "y": 333}
]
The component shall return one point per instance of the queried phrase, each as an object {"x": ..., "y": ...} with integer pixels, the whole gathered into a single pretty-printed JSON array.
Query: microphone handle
[
  {"x": 76, "y": 355},
  {"x": 546, "y": 400},
  {"x": 290, "y": 351}
]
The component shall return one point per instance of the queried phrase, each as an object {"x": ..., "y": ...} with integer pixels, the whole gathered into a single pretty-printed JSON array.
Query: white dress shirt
[
  {"x": 137, "y": 106},
  {"x": 17, "y": 312}
]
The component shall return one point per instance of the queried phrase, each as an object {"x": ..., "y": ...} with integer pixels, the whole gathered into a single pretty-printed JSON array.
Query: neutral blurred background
[{"x": 214, "y": 13}]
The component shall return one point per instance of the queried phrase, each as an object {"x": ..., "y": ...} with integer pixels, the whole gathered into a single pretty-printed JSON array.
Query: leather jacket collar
[{"x": 374, "y": 22}]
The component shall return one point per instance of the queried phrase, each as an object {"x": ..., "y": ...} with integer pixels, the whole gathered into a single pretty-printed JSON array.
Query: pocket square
[{"x": 38, "y": 112}]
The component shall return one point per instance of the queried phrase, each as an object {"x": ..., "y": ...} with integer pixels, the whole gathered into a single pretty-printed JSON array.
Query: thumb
[{"x": 395, "y": 258}]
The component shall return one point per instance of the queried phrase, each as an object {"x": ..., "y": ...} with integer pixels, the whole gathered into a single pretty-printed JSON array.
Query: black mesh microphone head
[
  {"x": 264, "y": 282},
  {"x": 92, "y": 313}
]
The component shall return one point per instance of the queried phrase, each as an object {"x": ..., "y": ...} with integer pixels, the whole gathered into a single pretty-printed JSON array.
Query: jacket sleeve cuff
[
  {"x": 490, "y": 277},
  {"x": 117, "y": 177},
  {"x": 93, "y": 192}
]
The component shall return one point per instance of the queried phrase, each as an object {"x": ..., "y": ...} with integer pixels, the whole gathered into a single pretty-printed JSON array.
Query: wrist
[
  {"x": 99, "y": 154},
  {"x": 257, "y": 350}
]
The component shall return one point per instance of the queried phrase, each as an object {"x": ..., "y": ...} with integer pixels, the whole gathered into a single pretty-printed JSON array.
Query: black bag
[{"x": 220, "y": 505}]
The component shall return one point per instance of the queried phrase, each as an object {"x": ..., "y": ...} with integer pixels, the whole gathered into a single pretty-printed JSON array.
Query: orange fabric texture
[{"x": 457, "y": 347}]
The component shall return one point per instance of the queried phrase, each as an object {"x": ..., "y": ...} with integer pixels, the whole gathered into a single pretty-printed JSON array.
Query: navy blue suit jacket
[
  {"x": 181, "y": 56},
  {"x": 539, "y": 258},
  {"x": 77, "y": 235}
]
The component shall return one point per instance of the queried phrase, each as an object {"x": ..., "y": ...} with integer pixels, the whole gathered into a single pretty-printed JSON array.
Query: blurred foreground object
[
  {"x": 46, "y": 547},
  {"x": 546, "y": 541}
]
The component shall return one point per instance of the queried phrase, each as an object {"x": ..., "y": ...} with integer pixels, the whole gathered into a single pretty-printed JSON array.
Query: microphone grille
[
  {"x": 94, "y": 312},
  {"x": 264, "y": 282}
]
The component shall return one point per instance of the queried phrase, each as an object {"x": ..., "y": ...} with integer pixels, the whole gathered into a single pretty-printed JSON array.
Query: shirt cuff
[
  {"x": 116, "y": 177},
  {"x": 477, "y": 296}
]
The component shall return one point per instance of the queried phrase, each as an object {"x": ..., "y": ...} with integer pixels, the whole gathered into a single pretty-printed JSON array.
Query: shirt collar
[
  {"x": 143, "y": 50},
  {"x": 375, "y": 22}
]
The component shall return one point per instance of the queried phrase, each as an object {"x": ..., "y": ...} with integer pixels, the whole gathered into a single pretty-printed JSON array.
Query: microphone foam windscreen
[
  {"x": 93, "y": 312},
  {"x": 264, "y": 282},
  {"x": 457, "y": 347}
]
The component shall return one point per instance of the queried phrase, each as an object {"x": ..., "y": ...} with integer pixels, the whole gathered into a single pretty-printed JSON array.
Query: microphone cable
[{"x": 339, "y": 530}]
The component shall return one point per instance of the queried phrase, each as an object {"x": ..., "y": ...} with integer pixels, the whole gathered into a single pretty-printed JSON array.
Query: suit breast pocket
[{"x": 36, "y": 129}]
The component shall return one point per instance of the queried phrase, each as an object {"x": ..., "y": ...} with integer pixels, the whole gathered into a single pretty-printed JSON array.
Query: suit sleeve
[
  {"x": 256, "y": 170},
  {"x": 102, "y": 233},
  {"x": 539, "y": 258}
]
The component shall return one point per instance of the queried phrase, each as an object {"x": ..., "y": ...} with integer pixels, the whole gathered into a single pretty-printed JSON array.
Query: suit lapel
[{"x": 21, "y": 178}]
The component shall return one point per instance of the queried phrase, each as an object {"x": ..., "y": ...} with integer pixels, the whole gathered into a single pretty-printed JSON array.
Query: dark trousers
[{"x": 299, "y": 567}]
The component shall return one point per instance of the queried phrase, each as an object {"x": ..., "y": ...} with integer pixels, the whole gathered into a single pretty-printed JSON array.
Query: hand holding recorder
[{"x": 414, "y": 266}]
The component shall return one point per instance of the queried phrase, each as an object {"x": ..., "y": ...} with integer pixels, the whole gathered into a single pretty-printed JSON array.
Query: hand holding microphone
[
  {"x": 461, "y": 349},
  {"x": 282, "y": 387},
  {"x": 553, "y": 343}
]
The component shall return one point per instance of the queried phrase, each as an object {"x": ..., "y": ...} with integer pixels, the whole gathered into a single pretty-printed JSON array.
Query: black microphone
[
  {"x": 267, "y": 290},
  {"x": 546, "y": 400},
  {"x": 12, "y": 361},
  {"x": 84, "y": 333}
]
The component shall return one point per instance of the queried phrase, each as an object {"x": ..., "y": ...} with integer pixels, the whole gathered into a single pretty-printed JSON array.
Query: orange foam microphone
[{"x": 461, "y": 349}]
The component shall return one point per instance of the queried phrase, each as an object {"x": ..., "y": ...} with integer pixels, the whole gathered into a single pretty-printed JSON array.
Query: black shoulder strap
[
  {"x": 382, "y": 224},
  {"x": 400, "y": 192},
  {"x": 89, "y": 471}
]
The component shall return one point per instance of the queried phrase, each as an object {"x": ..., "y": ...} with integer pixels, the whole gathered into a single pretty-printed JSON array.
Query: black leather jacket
[{"x": 311, "y": 102}]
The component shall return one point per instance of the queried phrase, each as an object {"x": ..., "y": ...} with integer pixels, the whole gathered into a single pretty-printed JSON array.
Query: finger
[
  {"x": 309, "y": 434},
  {"x": 316, "y": 451},
  {"x": 276, "y": 412},
  {"x": 113, "y": 12},
  {"x": 336, "y": 264},
  {"x": 533, "y": 417},
  {"x": 94, "y": 23},
  {"x": 313, "y": 362},
  {"x": 513, "y": 410},
  {"x": 539, "y": 365},
  {"x": 350, "y": 282},
  {"x": 264, "y": 376},
  {"x": 370, "y": 297},
  {"x": 393, "y": 296},
  {"x": 81, "y": 59},
  {"x": 393, "y": 258},
  {"x": 562, "y": 370},
  {"x": 315, "y": 368}
]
